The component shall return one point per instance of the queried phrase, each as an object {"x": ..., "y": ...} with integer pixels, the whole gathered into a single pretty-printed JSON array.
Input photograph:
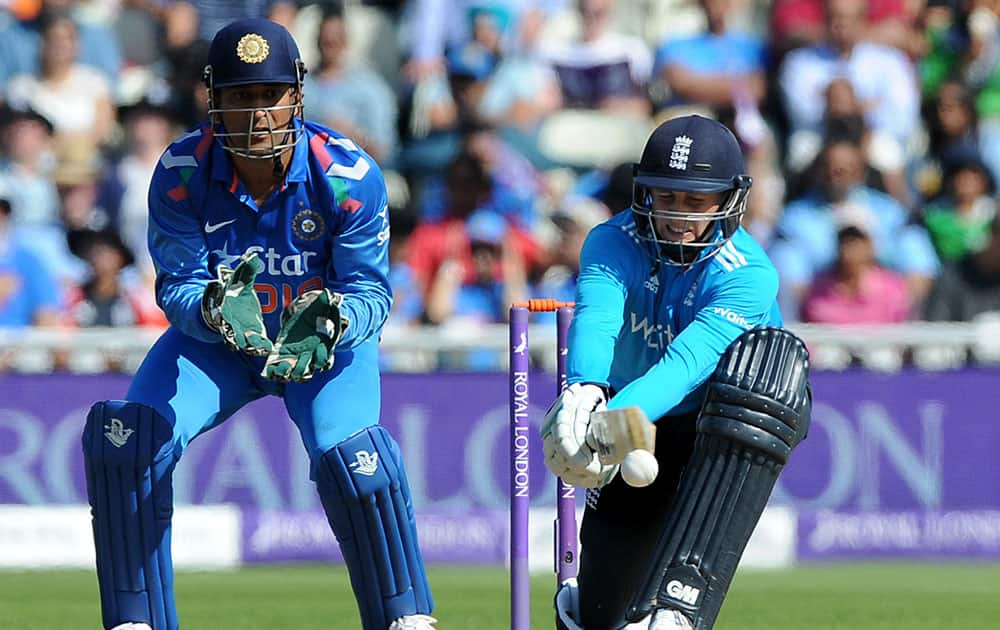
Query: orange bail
[{"x": 542, "y": 305}]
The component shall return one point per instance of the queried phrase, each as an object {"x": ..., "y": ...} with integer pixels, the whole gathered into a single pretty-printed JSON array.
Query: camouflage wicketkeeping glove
[
  {"x": 311, "y": 326},
  {"x": 230, "y": 306}
]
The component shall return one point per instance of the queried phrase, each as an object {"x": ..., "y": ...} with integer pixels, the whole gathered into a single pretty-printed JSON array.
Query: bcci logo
[
  {"x": 366, "y": 464},
  {"x": 252, "y": 48},
  {"x": 308, "y": 225}
]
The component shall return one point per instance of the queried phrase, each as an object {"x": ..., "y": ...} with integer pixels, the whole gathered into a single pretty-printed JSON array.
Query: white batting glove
[
  {"x": 594, "y": 476},
  {"x": 564, "y": 432}
]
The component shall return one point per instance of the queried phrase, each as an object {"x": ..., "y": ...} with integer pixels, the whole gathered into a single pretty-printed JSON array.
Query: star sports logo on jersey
[{"x": 276, "y": 263}]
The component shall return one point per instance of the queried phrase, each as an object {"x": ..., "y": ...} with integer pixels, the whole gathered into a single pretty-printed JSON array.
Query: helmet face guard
[
  {"x": 239, "y": 142},
  {"x": 255, "y": 51},
  {"x": 722, "y": 223}
]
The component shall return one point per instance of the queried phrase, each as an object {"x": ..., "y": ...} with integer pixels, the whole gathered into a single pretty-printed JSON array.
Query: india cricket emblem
[
  {"x": 252, "y": 48},
  {"x": 308, "y": 225},
  {"x": 366, "y": 464},
  {"x": 116, "y": 433}
]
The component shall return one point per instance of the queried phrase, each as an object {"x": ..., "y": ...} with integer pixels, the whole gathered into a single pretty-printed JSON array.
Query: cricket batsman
[
  {"x": 676, "y": 319},
  {"x": 270, "y": 237}
]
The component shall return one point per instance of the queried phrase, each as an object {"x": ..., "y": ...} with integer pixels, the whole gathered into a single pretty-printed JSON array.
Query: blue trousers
[{"x": 197, "y": 386}]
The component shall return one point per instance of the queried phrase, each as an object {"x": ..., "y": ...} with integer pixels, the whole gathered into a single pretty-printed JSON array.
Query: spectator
[
  {"x": 717, "y": 68},
  {"x": 856, "y": 290},
  {"x": 444, "y": 106},
  {"x": 882, "y": 77},
  {"x": 468, "y": 187},
  {"x": 26, "y": 169},
  {"x": 20, "y": 41},
  {"x": 76, "y": 179},
  {"x": 797, "y": 23},
  {"x": 407, "y": 295},
  {"x": 433, "y": 27},
  {"x": 352, "y": 99},
  {"x": 523, "y": 90},
  {"x": 75, "y": 98},
  {"x": 981, "y": 73},
  {"x": 603, "y": 70},
  {"x": 496, "y": 280},
  {"x": 970, "y": 287},
  {"x": 807, "y": 232},
  {"x": 947, "y": 42},
  {"x": 844, "y": 118},
  {"x": 573, "y": 219},
  {"x": 28, "y": 293},
  {"x": 952, "y": 125},
  {"x": 105, "y": 298},
  {"x": 149, "y": 128},
  {"x": 959, "y": 221}
]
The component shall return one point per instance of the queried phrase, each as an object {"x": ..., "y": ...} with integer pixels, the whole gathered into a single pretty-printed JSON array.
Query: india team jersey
[
  {"x": 327, "y": 226},
  {"x": 654, "y": 333}
]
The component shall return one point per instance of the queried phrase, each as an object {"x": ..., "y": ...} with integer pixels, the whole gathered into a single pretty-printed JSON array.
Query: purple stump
[
  {"x": 520, "y": 584},
  {"x": 565, "y": 525}
]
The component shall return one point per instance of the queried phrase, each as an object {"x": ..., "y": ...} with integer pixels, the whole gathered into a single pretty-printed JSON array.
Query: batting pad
[
  {"x": 756, "y": 410},
  {"x": 128, "y": 457},
  {"x": 364, "y": 491}
]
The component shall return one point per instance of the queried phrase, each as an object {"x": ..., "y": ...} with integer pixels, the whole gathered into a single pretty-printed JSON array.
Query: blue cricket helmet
[
  {"x": 691, "y": 154},
  {"x": 247, "y": 52},
  {"x": 254, "y": 50}
]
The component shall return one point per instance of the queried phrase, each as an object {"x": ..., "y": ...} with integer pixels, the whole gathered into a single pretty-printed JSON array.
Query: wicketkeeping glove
[
  {"x": 311, "y": 326},
  {"x": 230, "y": 306}
]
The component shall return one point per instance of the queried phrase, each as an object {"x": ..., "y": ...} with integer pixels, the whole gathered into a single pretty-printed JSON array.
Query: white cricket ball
[{"x": 639, "y": 468}]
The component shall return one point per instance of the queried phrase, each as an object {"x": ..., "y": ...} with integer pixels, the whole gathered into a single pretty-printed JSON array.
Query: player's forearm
[
  {"x": 367, "y": 307},
  {"x": 181, "y": 303}
]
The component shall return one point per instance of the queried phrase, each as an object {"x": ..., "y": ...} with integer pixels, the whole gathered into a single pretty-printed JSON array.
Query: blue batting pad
[
  {"x": 129, "y": 461},
  {"x": 363, "y": 487}
]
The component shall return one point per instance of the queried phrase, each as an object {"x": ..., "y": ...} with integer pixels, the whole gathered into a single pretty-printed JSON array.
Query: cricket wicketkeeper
[
  {"x": 676, "y": 318},
  {"x": 270, "y": 237}
]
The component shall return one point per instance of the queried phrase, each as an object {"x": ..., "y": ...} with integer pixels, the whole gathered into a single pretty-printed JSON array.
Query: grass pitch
[{"x": 830, "y": 597}]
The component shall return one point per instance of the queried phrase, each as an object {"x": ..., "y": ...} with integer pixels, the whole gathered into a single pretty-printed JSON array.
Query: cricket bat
[{"x": 614, "y": 433}]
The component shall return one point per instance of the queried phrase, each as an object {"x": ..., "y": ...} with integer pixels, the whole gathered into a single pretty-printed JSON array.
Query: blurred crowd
[{"x": 507, "y": 129}]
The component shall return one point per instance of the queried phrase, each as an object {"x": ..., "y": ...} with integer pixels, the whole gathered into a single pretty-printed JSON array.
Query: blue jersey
[
  {"x": 327, "y": 226},
  {"x": 654, "y": 333}
]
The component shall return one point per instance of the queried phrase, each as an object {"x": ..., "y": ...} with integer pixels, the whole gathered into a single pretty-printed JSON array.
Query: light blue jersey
[
  {"x": 328, "y": 226},
  {"x": 654, "y": 333}
]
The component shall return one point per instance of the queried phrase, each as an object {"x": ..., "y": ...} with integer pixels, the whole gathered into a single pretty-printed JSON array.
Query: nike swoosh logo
[{"x": 209, "y": 228}]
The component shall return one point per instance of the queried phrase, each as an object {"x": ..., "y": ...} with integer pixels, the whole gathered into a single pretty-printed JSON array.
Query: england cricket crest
[{"x": 680, "y": 152}]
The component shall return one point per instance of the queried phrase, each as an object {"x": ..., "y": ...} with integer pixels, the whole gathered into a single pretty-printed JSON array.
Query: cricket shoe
[
  {"x": 133, "y": 626},
  {"x": 669, "y": 619},
  {"x": 567, "y": 604},
  {"x": 413, "y": 622}
]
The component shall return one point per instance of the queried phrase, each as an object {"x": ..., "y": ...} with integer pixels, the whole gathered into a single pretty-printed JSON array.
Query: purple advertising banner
[
  {"x": 279, "y": 536},
  {"x": 893, "y": 443},
  {"x": 828, "y": 535}
]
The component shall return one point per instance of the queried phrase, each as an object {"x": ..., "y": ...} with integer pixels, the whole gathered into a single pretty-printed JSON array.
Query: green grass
[{"x": 849, "y": 597}]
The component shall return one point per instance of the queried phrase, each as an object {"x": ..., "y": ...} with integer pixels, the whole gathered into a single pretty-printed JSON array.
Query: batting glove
[{"x": 564, "y": 432}]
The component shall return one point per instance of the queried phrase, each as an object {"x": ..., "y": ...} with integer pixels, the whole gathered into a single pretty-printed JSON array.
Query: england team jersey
[
  {"x": 654, "y": 333},
  {"x": 326, "y": 226}
]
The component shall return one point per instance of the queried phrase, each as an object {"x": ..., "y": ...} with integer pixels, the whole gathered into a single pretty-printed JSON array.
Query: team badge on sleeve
[
  {"x": 252, "y": 48},
  {"x": 308, "y": 225}
]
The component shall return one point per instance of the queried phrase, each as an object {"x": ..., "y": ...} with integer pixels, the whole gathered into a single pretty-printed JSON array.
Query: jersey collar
[{"x": 224, "y": 171}]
